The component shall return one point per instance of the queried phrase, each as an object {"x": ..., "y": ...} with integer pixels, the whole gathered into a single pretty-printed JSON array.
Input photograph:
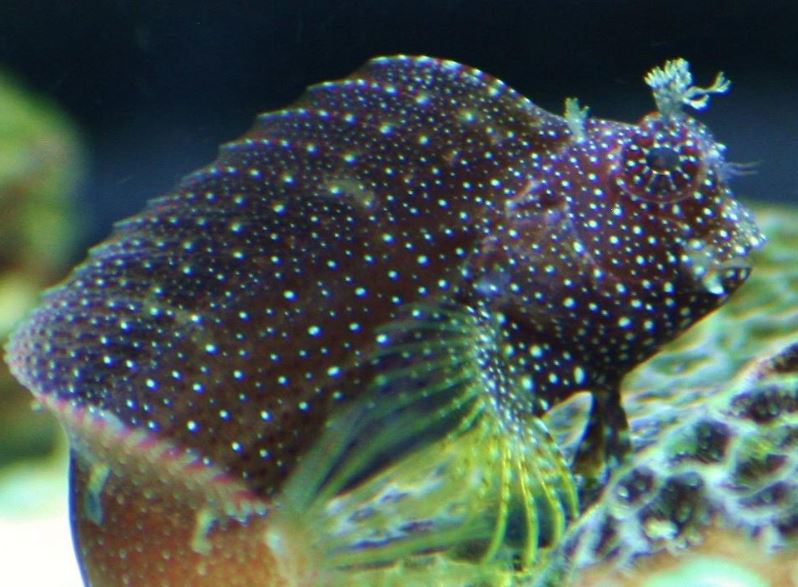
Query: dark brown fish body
[{"x": 237, "y": 314}]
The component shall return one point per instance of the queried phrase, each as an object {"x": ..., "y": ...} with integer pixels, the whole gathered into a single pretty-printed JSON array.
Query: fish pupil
[{"x": 662, "y": 160}]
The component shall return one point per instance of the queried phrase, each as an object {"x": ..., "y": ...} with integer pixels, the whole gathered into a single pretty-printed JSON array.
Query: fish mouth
[{"x": 720, "y": 260}]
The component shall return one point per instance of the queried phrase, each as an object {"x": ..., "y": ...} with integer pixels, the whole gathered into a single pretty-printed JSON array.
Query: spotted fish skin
[
  {"x": 224, "y": 314},
  {"x": 236, "y": 314}
]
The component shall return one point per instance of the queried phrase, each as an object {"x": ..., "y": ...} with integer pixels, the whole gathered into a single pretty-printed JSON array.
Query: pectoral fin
[{"x": 428, "y": 470}]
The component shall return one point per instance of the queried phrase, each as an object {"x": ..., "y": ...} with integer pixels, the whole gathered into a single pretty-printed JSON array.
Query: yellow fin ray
[{"x": 429, "y": 479}]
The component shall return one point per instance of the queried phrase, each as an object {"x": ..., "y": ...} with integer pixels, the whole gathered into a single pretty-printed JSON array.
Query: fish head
[
  {"x": 670, "y": 174},
  {"x": 625, "y": 234}
]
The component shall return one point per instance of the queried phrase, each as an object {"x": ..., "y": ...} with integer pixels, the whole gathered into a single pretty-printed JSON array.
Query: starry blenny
[{"x": 323, "y": 358}]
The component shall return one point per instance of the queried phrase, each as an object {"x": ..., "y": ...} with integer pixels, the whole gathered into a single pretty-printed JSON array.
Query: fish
[{"x": 325, "y": 358}]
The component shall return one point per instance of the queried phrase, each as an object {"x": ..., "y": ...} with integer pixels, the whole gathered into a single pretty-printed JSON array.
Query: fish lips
[{"x": 720, "y": 259}]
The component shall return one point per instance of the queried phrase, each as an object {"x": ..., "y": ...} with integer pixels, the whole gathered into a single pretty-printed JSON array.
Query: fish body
[{"x": 406, "y": 262}]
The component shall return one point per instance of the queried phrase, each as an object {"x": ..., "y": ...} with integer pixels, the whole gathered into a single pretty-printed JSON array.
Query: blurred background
[{"x": 105, "y": 104}]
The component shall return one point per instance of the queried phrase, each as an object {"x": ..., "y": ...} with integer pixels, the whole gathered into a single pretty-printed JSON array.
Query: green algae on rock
[
  {"x": 41, "y": 163},
  {"x": 40, "y": 166}
]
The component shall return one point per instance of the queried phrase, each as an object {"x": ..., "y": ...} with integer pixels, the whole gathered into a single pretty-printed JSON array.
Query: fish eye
[{"x": 661, "y": 162}]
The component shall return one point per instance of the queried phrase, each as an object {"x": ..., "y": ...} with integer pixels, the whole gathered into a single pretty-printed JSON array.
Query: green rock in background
[{"x": 41, "y": 163}]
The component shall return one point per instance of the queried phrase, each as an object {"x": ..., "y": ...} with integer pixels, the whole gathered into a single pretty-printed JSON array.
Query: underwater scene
[{"x": 452, "y": 294}]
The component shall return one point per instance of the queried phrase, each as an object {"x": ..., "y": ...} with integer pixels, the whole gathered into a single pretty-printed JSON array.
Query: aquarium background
[{"x": 153, "y": 87}]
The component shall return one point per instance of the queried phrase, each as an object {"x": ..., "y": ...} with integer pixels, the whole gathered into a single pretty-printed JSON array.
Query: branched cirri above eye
[{"x": 669, "y": 154}]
